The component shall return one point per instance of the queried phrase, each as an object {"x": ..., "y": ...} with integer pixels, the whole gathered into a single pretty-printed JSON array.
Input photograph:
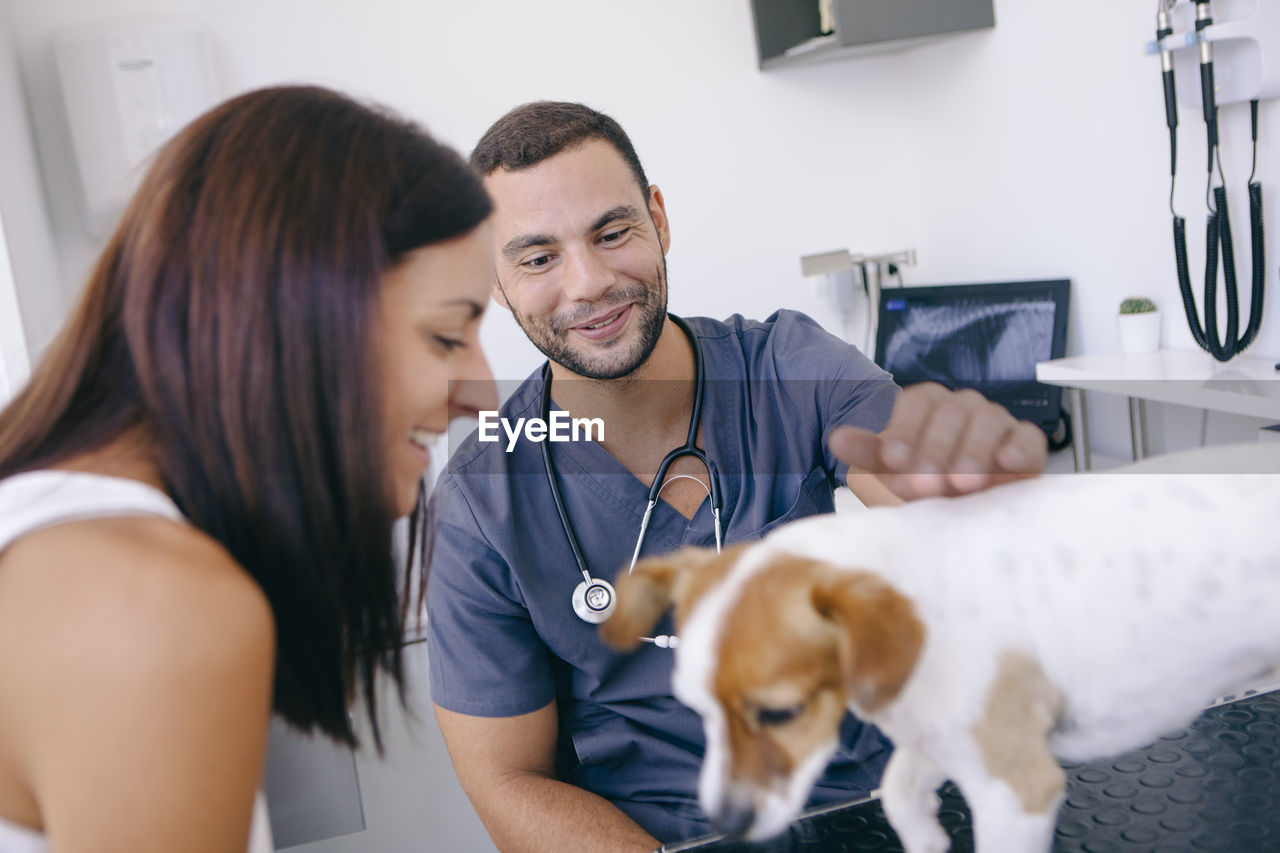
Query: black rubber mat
[{"x": 1214, "y": 786}]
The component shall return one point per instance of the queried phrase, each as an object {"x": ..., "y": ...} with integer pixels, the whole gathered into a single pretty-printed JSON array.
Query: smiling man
[{"x": 560, "y": 742}]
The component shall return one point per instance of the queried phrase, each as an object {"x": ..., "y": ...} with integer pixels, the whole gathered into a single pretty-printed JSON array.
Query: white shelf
[{"x": 1243, "y": 386}]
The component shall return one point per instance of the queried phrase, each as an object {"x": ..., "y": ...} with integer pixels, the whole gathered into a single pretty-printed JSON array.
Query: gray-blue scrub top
[{"x": 503, "y": 637}]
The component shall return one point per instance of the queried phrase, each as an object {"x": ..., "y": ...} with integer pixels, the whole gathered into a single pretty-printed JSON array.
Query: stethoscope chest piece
[{"x": 594, "y": 601}]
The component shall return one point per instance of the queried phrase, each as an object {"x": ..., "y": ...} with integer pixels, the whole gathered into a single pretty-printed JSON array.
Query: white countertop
[{"x": 1246, "y": 385}]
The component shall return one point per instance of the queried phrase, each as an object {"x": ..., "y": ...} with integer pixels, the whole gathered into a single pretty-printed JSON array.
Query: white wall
[
  {"x": 15, "y": 361},
  {"x": 1037, "y": 149},
  {"x": 34, "y": 300}
]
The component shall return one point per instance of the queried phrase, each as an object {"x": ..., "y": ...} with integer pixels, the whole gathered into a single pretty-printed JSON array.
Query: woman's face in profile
[{"x": 429, "y": 328}]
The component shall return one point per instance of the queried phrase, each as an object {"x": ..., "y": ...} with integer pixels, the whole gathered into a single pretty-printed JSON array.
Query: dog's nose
[{"x": 734, "y": 818}]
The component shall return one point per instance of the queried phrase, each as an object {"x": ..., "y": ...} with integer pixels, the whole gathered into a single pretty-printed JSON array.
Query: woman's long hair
[{"x": 231, "y": 318}]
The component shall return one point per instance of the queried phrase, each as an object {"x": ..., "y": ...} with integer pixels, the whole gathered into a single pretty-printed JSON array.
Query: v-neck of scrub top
[{"x": 667, "y": 524}]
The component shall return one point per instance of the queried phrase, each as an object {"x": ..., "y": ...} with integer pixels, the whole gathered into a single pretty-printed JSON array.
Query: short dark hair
[
  {"x": 532, "y": 132},
  {"x": 231, "y": 317}
]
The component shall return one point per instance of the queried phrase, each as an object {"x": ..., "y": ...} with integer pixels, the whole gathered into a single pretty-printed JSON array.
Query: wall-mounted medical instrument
[
  {"x": 1239, "y": 75},
  {"x": 853, "y": 284},
  {"x": 127, "y": 87},
  {"x": 594, "y": 599}
]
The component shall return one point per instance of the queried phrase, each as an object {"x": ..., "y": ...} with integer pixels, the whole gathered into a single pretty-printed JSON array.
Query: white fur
[{"x": 1140, "y": 596}]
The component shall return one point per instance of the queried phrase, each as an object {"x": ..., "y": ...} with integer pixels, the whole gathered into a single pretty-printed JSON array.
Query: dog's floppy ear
[
  {"x": 880, "y": 635},
  {"x": 652, "y": 587}
]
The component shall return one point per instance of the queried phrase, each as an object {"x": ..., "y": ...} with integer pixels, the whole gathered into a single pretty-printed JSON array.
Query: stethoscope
[{"x": 594, "y": 599}]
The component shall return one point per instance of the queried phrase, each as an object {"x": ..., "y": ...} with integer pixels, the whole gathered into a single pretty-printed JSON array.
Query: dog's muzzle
[{"x": 733, "y": 818}]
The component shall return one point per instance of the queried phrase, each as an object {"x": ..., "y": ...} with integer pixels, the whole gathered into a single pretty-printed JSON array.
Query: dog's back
[{"x": 1141, "y": 596}]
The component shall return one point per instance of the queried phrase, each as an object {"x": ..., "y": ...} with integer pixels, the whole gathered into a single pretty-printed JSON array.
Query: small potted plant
[{"x": 1139, "y": 323}]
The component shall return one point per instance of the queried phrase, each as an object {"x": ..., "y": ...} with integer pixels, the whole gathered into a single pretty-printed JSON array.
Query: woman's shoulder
[{"x": 156, "y": 591}]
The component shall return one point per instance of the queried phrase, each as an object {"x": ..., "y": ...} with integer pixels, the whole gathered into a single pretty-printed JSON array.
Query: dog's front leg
[
  {"x": 1013, "y": 786},
  {"x": 908, "y": 793},
  {"x": 1004, "y": 766},
  {"x": 1003, "y": 823}
]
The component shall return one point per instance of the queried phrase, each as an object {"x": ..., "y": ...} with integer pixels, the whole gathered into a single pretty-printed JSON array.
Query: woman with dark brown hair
[{"x": 200, "y": 479}]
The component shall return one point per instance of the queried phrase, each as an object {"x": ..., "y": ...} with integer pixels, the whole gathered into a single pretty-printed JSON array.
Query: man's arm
[
  {"x": 507, "y": 767},
  {"x": 939, "y": 442}
]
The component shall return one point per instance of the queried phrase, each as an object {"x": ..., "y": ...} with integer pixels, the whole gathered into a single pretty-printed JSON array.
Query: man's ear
[
  {"x": 658, "y": 212},
  {"x": 650, "y": 589},
  {"x": 499, "y": 296},
  {"x": 880, "y": 636}
]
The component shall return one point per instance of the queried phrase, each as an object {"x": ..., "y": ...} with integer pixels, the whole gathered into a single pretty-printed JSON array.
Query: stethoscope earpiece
[{"x": 594, "y": 601}]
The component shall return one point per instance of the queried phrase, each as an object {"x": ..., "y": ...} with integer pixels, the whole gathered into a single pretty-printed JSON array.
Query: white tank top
[{"x": 38, "y": 499}]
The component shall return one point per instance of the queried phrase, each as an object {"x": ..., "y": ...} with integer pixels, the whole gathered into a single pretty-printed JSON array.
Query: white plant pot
[{"x": 1139, "y": 332}]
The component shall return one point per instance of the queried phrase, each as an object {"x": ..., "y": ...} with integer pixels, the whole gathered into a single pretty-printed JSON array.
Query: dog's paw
[{"x": 924, "y": 838}]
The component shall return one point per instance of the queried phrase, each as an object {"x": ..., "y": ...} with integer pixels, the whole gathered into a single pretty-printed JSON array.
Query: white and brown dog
[{"x": 987, "y": 636}]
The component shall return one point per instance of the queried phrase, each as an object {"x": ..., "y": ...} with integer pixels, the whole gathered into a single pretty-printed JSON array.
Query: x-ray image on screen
[
  {"x": 965, "y": 344},
  {"x": 988, "y": 337}
]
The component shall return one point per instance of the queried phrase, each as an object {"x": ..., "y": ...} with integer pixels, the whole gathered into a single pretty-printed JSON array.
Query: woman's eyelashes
[{"x": 445, "y": 342}]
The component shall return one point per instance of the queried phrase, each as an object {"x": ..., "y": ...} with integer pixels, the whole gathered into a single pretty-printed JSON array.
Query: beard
[{"x": 619, "y": 358}]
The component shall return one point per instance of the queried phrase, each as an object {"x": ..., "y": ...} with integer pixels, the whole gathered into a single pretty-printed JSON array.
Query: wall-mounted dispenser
[{"x": 127, "y": 87}]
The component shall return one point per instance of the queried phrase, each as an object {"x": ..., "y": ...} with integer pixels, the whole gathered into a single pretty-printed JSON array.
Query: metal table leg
[
  {"x": 1138, "y": 428},
  {"x": 1080, "y": 447}
]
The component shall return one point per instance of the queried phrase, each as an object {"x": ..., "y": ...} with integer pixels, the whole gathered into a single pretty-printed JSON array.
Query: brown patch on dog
[
  {"x": 1023, "y": 706},
  {"x": 680, "y": 577},
  {"x": 881, "y": 637}
]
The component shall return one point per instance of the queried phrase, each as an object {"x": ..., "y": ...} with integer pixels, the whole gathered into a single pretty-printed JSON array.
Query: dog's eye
[{"x": 777, "y": 716}]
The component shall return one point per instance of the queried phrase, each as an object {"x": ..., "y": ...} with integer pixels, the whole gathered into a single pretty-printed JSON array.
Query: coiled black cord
[
  {"x": 1184, "y": 275},
  {"x": 1219, "y": 233},
  {"x": 1226, "y": 349},
  {"x": 1256, "y": 235}
]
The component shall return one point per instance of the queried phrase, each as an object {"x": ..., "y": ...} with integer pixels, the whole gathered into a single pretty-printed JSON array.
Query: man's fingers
[
  {"x": 941, "y": 442},
  {"x": 862, "y": 451},
  {"x": 900, "y": 439},
  {"x": 973, "y": 463},
  {"x": 954, "y": 421},
  {"x": 857, "y": 448},
  {"x": 1025, "y": 451}
]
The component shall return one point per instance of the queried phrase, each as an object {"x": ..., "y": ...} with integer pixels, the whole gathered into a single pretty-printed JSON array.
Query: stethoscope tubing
[{"x": 689, "y": 448}]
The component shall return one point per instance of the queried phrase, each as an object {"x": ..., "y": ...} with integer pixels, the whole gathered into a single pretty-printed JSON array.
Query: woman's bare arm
[{"x": 136, "y": 663}]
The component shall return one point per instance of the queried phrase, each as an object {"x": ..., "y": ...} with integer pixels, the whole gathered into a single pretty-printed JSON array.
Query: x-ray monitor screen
[{"x": 982, "y": 336}]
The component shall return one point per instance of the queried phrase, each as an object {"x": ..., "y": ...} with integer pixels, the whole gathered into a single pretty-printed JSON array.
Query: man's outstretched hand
[{"x": 942, "y": 442}]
